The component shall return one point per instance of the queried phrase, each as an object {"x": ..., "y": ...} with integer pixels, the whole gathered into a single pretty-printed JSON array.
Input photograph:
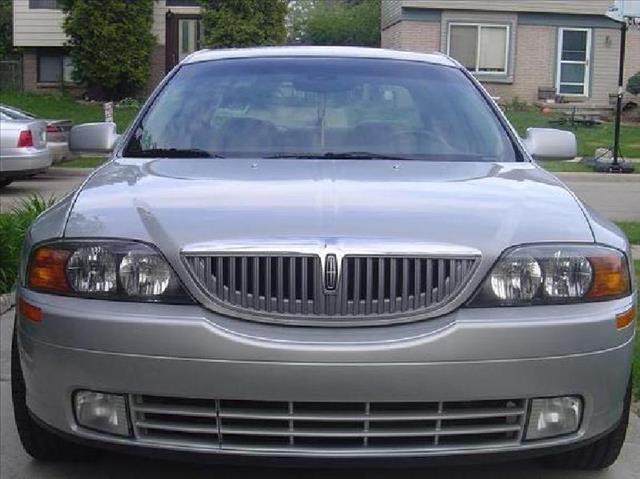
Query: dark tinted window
[{"x": 287, "y": 106}]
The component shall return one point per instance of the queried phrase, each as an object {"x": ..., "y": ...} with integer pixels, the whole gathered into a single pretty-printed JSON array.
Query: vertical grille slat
[
  {"x": 280, "y": 283},
  {"x": 256, "y": 282},
  {"x": 368, "y": 286},
  {"x": 417, "y": 283},
  {"x": 405, "y": 284},
  {"x": 393, "y": 293},
  {"x": 304, "y": 275},
  {"x": 243, "y": 281}
]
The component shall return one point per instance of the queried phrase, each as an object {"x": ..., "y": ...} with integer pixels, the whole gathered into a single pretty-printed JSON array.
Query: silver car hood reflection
[{"x": 176, "y": 203}]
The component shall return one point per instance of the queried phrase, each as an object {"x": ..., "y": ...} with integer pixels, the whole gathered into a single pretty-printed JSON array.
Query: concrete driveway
[
  {"x": 615, "y": 196},
  {"x": 56, "y": 182},
  {"x": 15, "y": 463}
]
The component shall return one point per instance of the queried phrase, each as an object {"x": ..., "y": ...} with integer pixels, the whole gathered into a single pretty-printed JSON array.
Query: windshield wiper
[
  {"x": 344, "y": 155},
  {"x": 174, "y": 153}
]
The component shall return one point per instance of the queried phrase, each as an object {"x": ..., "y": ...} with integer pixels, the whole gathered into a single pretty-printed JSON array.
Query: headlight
[
  {"x": 105, "y": 269},
  {"x": 555, "y": 274}
]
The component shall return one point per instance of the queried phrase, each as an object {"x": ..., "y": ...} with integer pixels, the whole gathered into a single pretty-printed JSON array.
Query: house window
[
  {"x": 480, "y": 48},
  {"x": 44, "y": 4},
  {"x": 54, "y": 67}
]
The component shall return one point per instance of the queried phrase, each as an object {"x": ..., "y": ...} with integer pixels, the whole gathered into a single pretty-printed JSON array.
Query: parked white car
[{"x": 23, "y": 148}]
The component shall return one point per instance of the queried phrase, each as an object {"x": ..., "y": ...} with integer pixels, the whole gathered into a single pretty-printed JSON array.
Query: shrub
[
  {"x": 344, "y": 23},
  {"x": 633, "y": 84},
  {"x": 243, "y": 23},
  {"x": 517, "y": 105},
  {"x": 13, "y": 228},
  {"x": 110, "y": 44}
]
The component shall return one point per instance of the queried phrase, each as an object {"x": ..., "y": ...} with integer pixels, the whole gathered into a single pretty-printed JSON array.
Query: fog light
[
  {"x": 102, "y": 412},
  {"x": 554, "y": 417}
]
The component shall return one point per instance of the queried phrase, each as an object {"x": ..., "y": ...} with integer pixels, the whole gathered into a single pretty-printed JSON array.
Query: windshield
[{"x": 321, "y": 107}]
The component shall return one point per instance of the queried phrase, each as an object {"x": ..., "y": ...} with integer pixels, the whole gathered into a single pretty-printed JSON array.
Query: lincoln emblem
[{"x": 331, "y": 272}]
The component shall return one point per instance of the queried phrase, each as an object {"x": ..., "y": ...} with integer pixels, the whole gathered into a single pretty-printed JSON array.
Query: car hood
[{"x": 180, "y": 203}]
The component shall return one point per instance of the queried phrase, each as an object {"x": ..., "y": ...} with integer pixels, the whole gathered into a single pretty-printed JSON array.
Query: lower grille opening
[{"x": 352, "y": 426}]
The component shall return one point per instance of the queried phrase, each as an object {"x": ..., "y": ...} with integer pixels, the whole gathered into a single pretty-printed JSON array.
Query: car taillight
[
  {"x": 25, "y": 139},
  {"x": 53, "y": 129}
]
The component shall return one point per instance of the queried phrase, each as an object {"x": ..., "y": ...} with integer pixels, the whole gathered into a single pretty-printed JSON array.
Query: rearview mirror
[
  {"x": 93, "y": 137},
  {"x": 547, "y": 143}
]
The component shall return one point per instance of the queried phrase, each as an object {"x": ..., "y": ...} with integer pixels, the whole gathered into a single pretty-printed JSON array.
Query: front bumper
[{"x": 186, "y": 352}]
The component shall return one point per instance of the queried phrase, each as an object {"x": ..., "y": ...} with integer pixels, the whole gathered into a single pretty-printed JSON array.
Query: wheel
[
  {"x": 600, "y": 454},
  {"x": 5, "y": 181},
  {"x": 37, "y": 441}
]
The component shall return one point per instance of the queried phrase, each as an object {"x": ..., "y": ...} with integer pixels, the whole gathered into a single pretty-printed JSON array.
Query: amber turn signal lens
[
  {"x": 29, "y": 311},
  {"x": 47, "y": 270},
  {"x": 625, "y": 319},
  {"x": 610, "y": 277}
]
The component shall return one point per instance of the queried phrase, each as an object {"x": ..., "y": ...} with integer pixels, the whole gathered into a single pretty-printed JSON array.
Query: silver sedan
[
  {"x": 323, "y": 254},
  {"x": 23, "y": 148},
  {"x": 57, "y": 131}
]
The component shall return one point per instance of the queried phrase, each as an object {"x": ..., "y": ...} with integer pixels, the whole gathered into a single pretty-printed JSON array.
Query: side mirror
[
  {"x": 93, "y": 137},
  {"x": 547, "y": 143}
]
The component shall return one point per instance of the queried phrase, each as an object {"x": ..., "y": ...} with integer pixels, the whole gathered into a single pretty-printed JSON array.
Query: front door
[
  {"x": 574, "y": 51},
  {"x": 183, "y": 36}
]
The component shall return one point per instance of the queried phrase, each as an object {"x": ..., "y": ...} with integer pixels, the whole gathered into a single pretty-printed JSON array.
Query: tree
[
  {"x": 344, "y": 22},
  {"x": 633, "y": 84},
  {"x": 6, "y": 28},
  {"x": 243, "y": 23},
  {"x": 110, "y": 44}
]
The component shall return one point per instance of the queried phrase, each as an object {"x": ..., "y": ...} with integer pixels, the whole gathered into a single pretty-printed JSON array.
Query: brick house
[
  {"x": 37, "y": 30},
  {"x": 520, "y": 48}
]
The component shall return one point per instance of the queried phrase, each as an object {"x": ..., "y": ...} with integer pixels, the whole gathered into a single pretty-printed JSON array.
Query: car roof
[{"x": 309, "y": 51}]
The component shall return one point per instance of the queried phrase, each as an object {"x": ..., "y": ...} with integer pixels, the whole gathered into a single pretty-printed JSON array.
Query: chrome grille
[
  {"x": 350, "y": 426},
  {"x": 296, "y": 285}
]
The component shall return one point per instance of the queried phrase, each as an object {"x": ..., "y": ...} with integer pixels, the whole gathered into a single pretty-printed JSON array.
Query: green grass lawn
[
  {"x": 632, "y": 230},
  {"x": 589, "y": 138},
  {"x": 57, "y": 106},
  {"x": 82, "y": 162}
]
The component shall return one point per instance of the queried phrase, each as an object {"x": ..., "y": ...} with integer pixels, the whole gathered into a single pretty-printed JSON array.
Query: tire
[
  {"x": 5, "y": 182},
  {"x": 600, "y": 454},
  {"x": 40, "y": 443}
]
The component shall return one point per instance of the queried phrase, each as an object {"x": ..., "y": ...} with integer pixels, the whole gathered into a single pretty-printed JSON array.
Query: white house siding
[
  {"x": 390, "y": 12},
  {"x": 587, "y": 7},
  {"x": 632, "y": 63},
  {"x": 36, "y": 27}
]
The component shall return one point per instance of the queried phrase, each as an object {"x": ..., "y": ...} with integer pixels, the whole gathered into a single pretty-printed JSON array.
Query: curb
[
  {"x": 598, "y": 177},
  {"x": 7, "y": 301}
]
